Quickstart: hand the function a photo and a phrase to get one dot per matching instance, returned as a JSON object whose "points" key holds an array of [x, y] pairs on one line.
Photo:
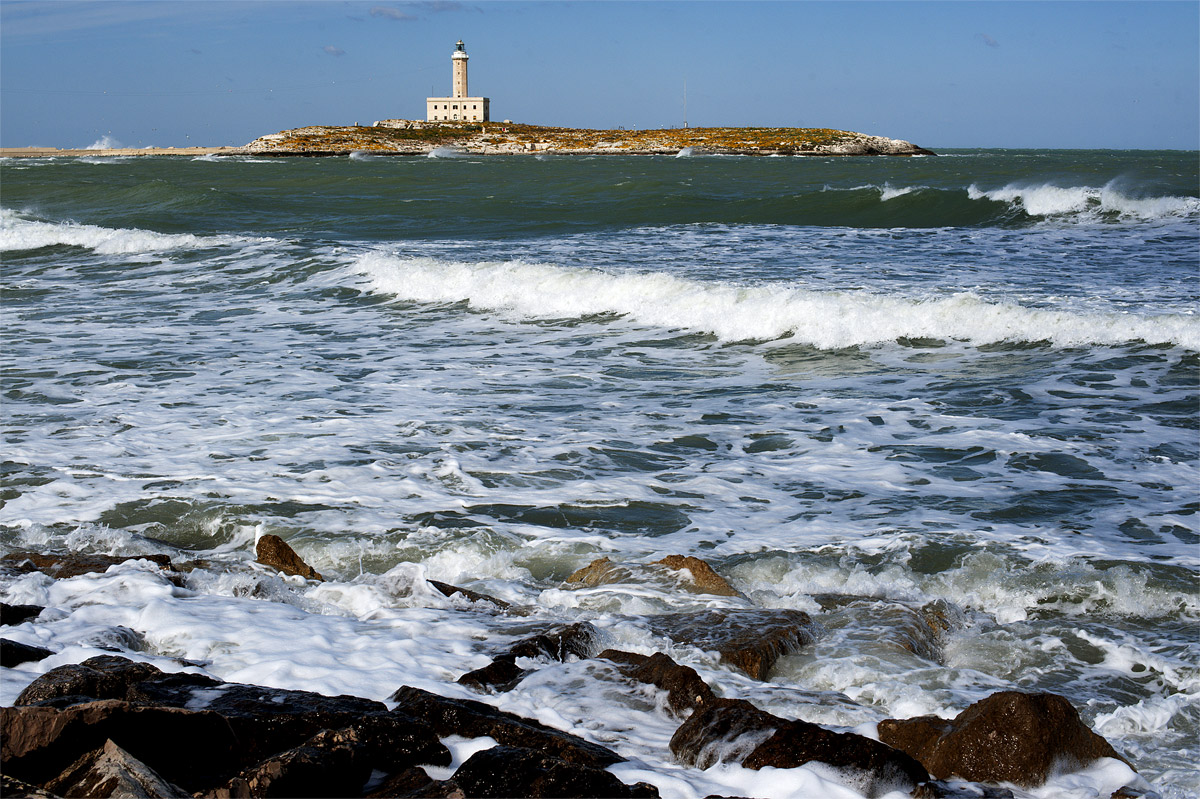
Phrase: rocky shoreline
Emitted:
{"points": [[399, 137], [111, 726]]}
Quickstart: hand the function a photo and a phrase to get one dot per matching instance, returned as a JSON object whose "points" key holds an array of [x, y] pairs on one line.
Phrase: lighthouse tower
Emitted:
{"points": [[458, 107], [459, 59]]}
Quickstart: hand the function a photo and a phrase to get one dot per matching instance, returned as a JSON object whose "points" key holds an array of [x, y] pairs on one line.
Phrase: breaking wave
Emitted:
{"points": [[20, 233], [1087, 203], [731, 312]]}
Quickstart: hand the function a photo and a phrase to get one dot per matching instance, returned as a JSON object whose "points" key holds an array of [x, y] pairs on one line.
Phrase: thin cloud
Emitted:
{"points": [[387, 12], [333, 51], [988, 40]]}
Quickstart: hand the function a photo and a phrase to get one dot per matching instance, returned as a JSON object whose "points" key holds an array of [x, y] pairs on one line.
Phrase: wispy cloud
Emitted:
{"points": [[334, 51], [988, 40], [388, 12]]}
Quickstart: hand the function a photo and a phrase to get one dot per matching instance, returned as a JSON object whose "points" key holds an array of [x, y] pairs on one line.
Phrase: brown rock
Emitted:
{"points": [[74, 564], [273, 551], [1008, 737], [685, 690], [601, 571], [111, 771], [748, 640], [471, 596], [504, 771], [703, 577]]}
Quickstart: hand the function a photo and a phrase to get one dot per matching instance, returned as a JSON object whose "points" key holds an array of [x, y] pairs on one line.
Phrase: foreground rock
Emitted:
{"points": [[14, 653], [109, 726], [735, 731], [1008, 737], [18, 614], [111, 771]]}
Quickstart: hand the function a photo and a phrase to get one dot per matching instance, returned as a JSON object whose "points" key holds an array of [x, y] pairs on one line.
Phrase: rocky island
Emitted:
{"points": [[411, 137]]}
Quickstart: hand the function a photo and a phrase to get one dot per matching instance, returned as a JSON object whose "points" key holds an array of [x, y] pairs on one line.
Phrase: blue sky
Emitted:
{"points": [[940, 74]]}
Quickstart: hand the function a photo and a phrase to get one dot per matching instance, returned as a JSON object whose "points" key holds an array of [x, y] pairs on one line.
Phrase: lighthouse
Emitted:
{"points": [[459, 106]]}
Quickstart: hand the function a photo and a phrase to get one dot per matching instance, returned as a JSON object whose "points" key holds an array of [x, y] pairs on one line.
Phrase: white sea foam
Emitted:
{"points": [[740, 313], [1087, 202], [104, 143], [18, 232]]}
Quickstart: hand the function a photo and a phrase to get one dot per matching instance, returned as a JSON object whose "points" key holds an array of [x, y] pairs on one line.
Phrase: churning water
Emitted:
{"points": [[971, 378]]}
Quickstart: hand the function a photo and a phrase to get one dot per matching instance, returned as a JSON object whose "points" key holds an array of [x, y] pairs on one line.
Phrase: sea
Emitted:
{"points": [[853, 386]]}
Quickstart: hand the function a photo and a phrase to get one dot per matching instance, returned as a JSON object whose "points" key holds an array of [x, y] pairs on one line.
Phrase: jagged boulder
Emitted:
{"points": [[1009, 737], [111, 771], [39, 743], [273, 551]]}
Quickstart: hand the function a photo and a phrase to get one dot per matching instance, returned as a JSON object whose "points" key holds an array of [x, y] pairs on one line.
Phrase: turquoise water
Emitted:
{"points": [[970, 378]]}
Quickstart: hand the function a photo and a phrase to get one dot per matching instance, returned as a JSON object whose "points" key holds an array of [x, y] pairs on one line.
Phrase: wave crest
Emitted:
{"points": [[1087, 202], [730, 312], [19, 233]]}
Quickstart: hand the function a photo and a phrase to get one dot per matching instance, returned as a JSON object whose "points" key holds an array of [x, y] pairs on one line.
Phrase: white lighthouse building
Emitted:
{"points": [[458, 107]]}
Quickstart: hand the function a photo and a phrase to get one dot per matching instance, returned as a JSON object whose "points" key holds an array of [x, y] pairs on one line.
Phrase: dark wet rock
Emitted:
{"points": [[735, 731], [265, 721], [329, 764], [1009, 737], [875, 767], [748, 640], [471, 596], [505, 771], [502, 674], [40, 743], [111, 771], [74, 564], [704, 579], [273, 551], [473, 719], [685, 690], [17, 614], [600, 571], [14, 788], [722, 731], [14, 653], [414, 783], [102, 677]]}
